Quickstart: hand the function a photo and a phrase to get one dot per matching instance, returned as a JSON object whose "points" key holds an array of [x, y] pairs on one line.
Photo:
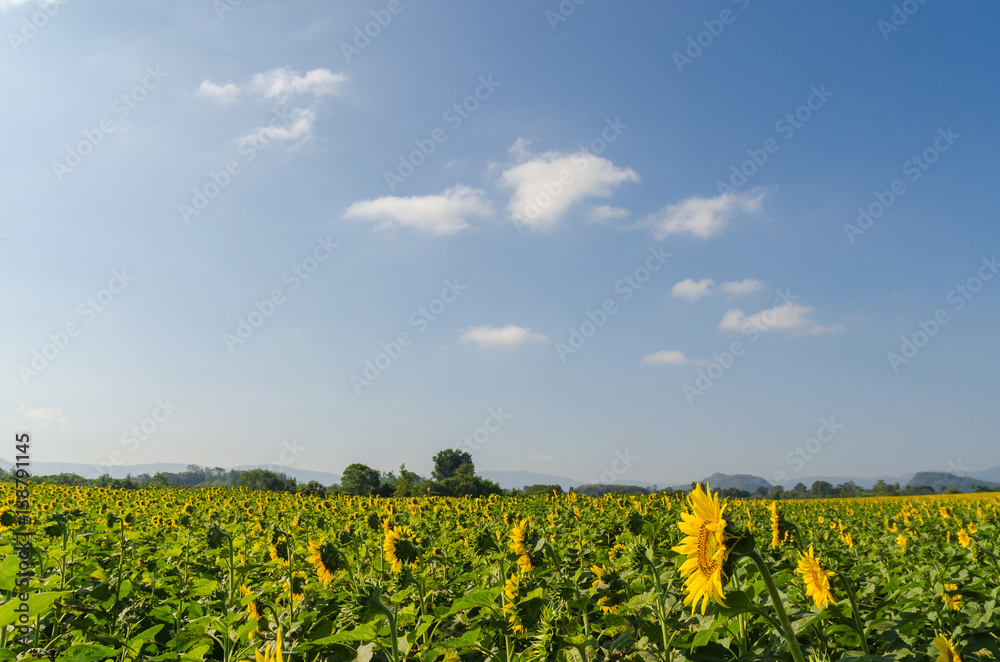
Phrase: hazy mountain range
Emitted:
{"points": [[517, 479]]}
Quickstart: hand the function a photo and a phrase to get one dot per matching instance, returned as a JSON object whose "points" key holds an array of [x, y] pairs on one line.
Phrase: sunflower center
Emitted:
{"points": [[707, 547]]}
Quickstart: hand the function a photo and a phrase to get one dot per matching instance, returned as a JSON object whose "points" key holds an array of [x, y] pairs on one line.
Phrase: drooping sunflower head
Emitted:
{"points": [[816, 578], [775, 525], [400, 547], [610, 588], [707, 547], [523, 607], [946, 649], [327, 559], [278, 552], [297, 586]]}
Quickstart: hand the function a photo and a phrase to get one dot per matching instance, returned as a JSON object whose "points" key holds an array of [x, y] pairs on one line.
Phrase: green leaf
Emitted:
{"points": [[8, 572], [482, 599], [361, 633], [38, 603], [86, 653]]}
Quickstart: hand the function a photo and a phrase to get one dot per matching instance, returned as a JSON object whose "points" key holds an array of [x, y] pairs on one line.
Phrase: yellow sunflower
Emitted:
{"points": [[946, 649], [775, 525], [951, 598], [326, 559], [816, 578], [964, 538], [400, 547], [706, 549], [271, 654]]}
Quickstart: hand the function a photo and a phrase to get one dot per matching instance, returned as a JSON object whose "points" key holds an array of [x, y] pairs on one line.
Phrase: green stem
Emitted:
{"points": [[789, 633], [660, 613], [854, 611]]}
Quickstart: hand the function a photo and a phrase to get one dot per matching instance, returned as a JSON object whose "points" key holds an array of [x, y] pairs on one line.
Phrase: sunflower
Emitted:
{"points": [[400, 547], [326, 558], [951, 598], [297, 586], [706, 547], [775, 525], [816, 578], [946, 649], [964, 538], [520, 534], [271, 654], [610, 587], [510, 591]]}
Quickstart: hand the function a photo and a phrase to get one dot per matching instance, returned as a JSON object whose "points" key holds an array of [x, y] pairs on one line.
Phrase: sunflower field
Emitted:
{"points": [[225, 574]]}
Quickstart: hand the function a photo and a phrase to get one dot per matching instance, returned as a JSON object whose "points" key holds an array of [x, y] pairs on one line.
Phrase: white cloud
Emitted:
{"points": [[10, 4], [740, 287], [789, 317], [538, 458], [44, 416], [298, 130], [279, 84], [693, 290], [443, 214], [702, 217], [547, 185], [283, 83], [604, 213], [224, 93], [670, 357], [488, 336]]}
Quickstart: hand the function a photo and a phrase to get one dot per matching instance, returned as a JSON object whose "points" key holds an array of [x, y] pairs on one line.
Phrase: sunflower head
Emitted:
{"points": [[522, 607], [707, 547], [816, 578], [327, 559], [951, 598], [610, 588], [400, 547], [945, 649]]}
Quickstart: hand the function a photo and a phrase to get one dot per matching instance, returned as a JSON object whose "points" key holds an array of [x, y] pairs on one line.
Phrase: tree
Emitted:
{"points": [[265, 481], [821, 488], [312, 488], [360, 480], [776, 492], [448, 462]]}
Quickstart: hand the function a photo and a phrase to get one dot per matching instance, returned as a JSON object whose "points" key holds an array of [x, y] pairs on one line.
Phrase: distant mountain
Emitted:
{"points": [[940, 480], [740, 481], [989, 474]]}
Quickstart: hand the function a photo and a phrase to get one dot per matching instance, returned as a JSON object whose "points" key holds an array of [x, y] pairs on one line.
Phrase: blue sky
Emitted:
{"points": [[218, 216]]}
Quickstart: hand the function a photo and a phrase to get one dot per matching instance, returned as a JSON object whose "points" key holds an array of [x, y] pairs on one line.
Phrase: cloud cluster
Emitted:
{"points": [[693, 290], [545, 186], [44, 416], [444, 214], [702, 217], [281, 86], [788, 316], [488, 336], [670, 357]]}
